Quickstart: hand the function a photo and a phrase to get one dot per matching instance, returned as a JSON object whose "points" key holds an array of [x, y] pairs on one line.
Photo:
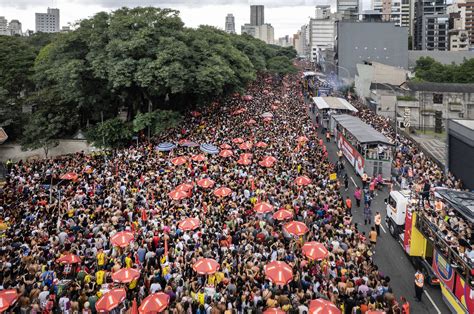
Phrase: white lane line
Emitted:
{"points": [[382, 228], [432, 302], [353, 181]]}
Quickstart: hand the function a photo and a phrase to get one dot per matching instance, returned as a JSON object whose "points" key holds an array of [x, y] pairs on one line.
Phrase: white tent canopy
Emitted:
{"points": [[333, 103]]}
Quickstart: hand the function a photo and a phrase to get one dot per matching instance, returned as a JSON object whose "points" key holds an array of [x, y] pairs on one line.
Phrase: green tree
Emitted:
{"points": [[281, 65], [158, 121], [111, 133]]}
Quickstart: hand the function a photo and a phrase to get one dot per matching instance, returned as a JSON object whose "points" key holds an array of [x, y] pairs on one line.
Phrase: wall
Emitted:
{"points": [[444, 57], [13, 151], [371, 41]]}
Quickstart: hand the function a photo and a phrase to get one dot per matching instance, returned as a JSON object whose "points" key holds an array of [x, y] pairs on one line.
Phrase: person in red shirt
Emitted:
{"points": [[349, 205]]}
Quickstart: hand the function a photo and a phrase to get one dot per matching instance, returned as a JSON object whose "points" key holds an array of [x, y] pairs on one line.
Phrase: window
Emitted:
{"points": [[437, 98]]}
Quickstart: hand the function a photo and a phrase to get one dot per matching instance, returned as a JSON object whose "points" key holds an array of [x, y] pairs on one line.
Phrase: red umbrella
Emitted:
{"points": [[222, 191], [244, 162], [199, 157], [72, 176], [321, 306], [279, 273], [267, 119], [246, 145], [302, 139], [226, 153], [283, 214], [126, 275], [206, 183], [296, 228], [265, 163], [69, 259], [179, 160], [206, 266], [263, 208], [246, 156], [8, 298], [226, 146], [178, 195], [195, 114], [122, 239], [189, 224], [315, 251], [184, 187], [238, 140], [251, 121], [302, 180], [261, 144], [270, 158], [154, 303], [110, 300], [273, 310]]}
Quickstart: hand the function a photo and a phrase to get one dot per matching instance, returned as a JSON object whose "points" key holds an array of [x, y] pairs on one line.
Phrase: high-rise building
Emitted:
{"points": [[257, 15], [14, 28], [48, 22], [3, 26], [467, 11], [322, 31], [431, 25], [458, 34], [230, 24], [349, 9]]}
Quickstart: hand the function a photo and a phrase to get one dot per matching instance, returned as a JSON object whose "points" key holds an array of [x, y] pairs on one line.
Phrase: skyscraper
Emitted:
{"points": [[230, 24], [348, 9], [431, 25], [48, 22], [257, 16], [3, 26]]}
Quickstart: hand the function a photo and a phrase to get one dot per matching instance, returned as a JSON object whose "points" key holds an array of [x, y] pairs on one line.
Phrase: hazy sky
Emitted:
{"points": [[286, 16]]}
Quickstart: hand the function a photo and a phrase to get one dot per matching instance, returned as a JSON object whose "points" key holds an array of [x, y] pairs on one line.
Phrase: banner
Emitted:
{"points": [[443, 270], [408, 227], [352, 155]]}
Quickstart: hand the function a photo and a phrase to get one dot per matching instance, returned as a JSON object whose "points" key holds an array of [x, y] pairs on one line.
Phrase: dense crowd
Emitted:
{"points": [[128, 190]]}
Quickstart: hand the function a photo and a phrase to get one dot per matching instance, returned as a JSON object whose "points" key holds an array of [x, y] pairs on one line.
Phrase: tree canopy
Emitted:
{"points": [[138, 60], [430, 70]]}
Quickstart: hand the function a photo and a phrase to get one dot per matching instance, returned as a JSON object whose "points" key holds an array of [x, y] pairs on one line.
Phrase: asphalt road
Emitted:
{"points": [[389, 255]]}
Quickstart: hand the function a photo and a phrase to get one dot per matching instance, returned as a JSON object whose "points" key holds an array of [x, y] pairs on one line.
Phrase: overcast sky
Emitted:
{"points": [[286, 16]]}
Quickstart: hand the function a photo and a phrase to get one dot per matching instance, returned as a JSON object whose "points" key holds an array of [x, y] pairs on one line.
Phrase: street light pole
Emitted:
{"points": [[396, 108]]}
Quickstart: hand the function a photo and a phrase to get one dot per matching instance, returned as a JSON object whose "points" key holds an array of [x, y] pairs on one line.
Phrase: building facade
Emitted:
{"points": [[263, 32], [467, 14], [47, 22], [257, 15], [230, 24], [461, 150], [322, 32], [3, 26], [360, 42], [14, 28], [431, 25], [348, 9]]}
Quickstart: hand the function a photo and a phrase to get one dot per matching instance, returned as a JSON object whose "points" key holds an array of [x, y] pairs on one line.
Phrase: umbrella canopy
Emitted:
{"points": [[283, 214], [226, 153], [315, 251], [263, 208], [165, 147], [246, 156], [251, 121], [206, 266], [188, 143], [195, 114], [178, 195], [246, 145], [154, 303], [199, 157], [261, 144], [270, 158], [321, 306], [110, 300], [226, 146], [122, 238], [273, 310], [238, 140], [302, 180], [267, 115], [222, 191], [184, 187], [302, 139], [267, 161], [244, 162], [69, 259], [72, 176], [189, 224], [206, 183], [209, 149], [279, 273], [7, 298], [179, 160], [296, 228], [126, 275], [248, 97], [375, 312]]}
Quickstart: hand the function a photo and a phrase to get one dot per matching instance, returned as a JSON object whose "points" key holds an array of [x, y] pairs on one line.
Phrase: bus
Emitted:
{"points": [[366, 149]]}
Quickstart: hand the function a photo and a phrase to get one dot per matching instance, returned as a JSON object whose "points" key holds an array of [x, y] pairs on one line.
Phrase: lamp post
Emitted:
{"points": [[396, 107]]}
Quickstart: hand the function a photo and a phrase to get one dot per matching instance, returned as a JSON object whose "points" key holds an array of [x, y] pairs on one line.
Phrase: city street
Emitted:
{"points": [[389, 255]]}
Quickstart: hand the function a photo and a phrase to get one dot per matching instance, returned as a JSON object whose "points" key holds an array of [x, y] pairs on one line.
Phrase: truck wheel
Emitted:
{"points": [[391, 228]]}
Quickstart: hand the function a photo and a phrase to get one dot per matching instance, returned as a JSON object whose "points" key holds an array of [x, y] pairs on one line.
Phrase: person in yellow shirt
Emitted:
{"points": [[101, 257], [201, 296], [133, 284], [211, 279], [100, 277], [128, 261]]}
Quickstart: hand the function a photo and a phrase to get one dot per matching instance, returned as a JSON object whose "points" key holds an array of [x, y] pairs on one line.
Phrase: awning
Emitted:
{"points": [[333, 103]]}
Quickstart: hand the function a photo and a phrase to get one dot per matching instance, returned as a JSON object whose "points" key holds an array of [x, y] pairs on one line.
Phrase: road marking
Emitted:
{"points": [[432, 302], [382, 228], [353, 181]]}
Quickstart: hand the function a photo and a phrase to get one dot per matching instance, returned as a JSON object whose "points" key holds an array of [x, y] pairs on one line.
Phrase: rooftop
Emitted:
{"points": [[363, 132], [467, 123], [440, 87]]}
